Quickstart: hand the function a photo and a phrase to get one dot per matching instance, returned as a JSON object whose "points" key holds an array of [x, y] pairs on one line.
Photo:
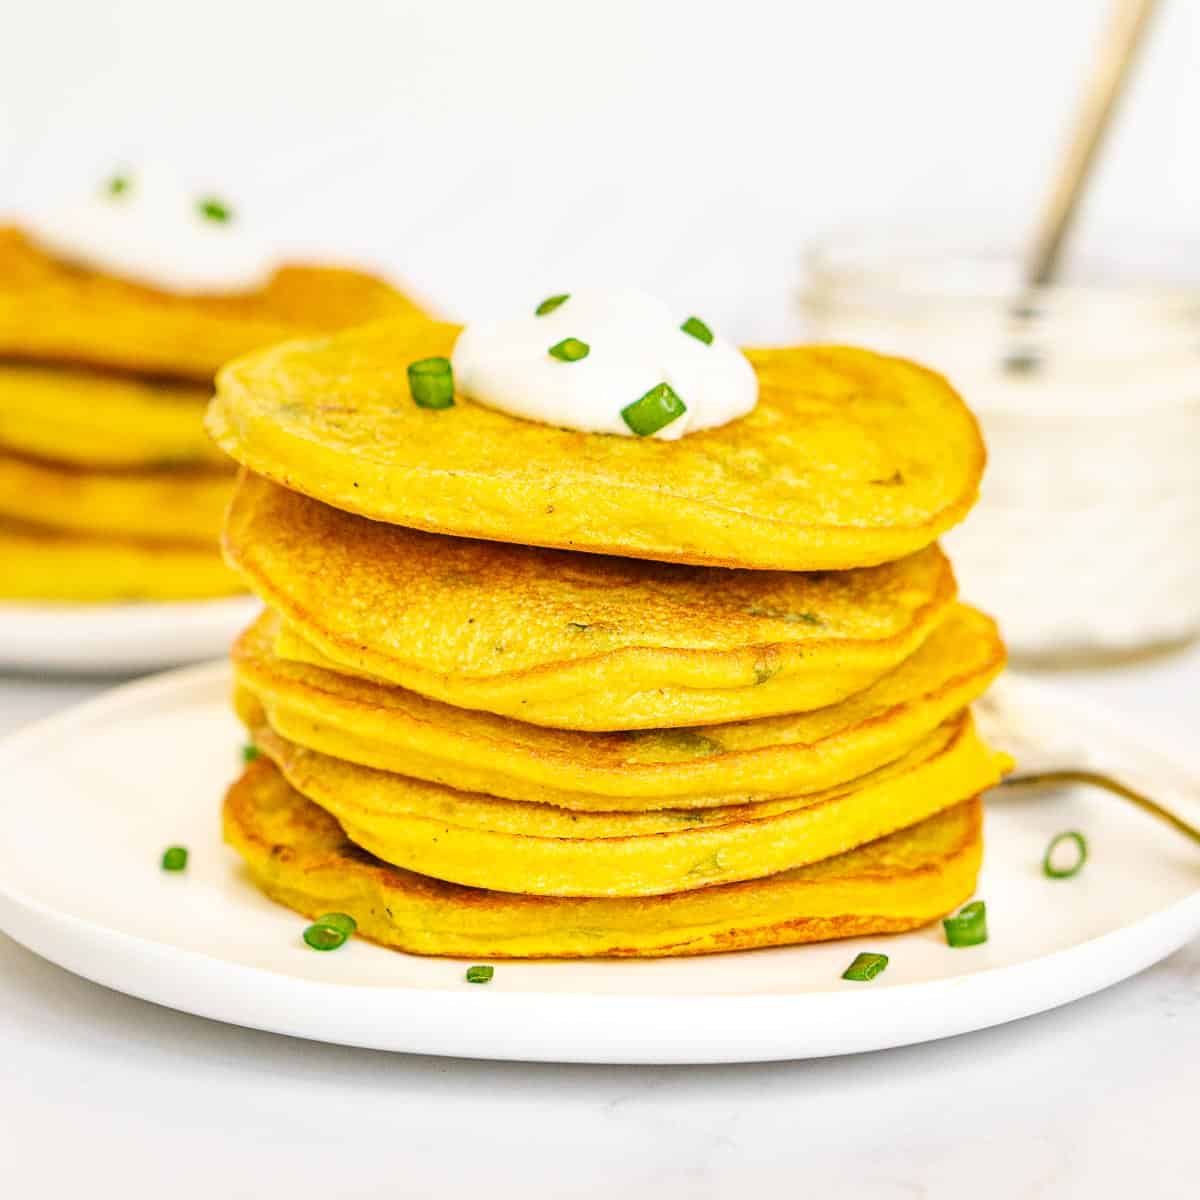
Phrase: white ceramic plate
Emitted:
{"points": [[92, 796], [94, 639]]}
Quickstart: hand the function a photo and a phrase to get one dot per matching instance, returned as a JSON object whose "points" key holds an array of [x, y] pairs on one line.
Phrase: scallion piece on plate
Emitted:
{"points": [[480, 974], [654, 411], [118, 185], [551, 303], [212, 209], [1052, 865], [968, 926], [431, 382], [697, 329], [174, 858], [319, 936], [865, 967], [570, 350], [342, 922], [249, 752]]}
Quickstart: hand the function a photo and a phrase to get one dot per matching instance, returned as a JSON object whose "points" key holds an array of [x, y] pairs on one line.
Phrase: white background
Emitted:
{"points": [[509, 148], [494, 150]]}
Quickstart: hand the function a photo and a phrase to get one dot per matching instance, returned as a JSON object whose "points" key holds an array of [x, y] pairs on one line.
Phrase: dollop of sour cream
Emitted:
{"points": [[634, 343], [148, 227]]}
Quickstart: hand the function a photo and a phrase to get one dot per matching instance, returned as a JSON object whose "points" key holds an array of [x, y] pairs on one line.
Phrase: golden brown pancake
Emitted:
{"points": [[389, 728], [298, 855], [534, 849], [170, 503], [103, 420], [850, 459], [573, 641], [52, 311], [51, 565]]}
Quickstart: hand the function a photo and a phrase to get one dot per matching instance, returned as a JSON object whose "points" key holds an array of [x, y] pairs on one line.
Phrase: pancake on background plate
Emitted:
{"points": [[849, 459], [298, 854], [109, 487]]}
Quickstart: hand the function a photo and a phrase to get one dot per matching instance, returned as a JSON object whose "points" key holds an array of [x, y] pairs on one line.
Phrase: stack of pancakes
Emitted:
{"points": [[109, 487], [526, 692]]}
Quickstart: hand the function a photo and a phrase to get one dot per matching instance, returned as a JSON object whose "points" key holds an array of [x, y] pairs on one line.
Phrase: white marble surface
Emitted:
{"points": [[115, 1096]]}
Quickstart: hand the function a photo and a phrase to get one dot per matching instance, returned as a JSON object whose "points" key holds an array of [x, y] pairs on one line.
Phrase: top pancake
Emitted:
{"points": [[52, 311], [850, 458]]}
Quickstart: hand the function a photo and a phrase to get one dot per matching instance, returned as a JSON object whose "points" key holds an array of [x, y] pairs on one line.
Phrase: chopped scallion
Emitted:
{"points": [[653, 411], [968, 926], [480, 974], [431, 382], [570, 350], [342, 922], [1078, 858], [213, 209], [551, 303], [174, 858], [865, 967], [249, 752], [698, 330], [118, 185]]}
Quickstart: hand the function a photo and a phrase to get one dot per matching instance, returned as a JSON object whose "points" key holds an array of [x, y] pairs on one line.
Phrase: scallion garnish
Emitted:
{"points": [[570, 350], [118, 185], [1077, 859], [653, 411], [213, 209], [431, 382], [865, 967], [968, 926], [481, 974], [551, 303], [249, 752], [330, 931], [174, 858], [698, 330]]}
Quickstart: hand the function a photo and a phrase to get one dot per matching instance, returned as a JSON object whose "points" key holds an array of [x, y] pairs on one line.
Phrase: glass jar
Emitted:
{"points": [[1086, 540]]}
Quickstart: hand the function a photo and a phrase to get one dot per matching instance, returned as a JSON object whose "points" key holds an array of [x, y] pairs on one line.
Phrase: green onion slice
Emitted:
{"points": [[118, 185], [1078, 859], [654, 411], [551, 303], [431, 382], [570, 350], [698, 330], [865, 967], [213, 209], [481, 974], [174, 858], [249, 752], [324, 937], [968, 926]]}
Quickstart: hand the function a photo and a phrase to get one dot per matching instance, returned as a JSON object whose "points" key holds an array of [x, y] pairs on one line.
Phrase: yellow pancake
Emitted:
{"points": [[298, 855], [179, 503], [51, 311], [508, 846], [103, 420], [49, 565], [573, 641], [850, 459], [396, 730]]}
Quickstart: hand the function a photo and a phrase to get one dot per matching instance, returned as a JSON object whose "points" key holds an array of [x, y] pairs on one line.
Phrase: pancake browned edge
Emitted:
{"points": [[298, 855]]}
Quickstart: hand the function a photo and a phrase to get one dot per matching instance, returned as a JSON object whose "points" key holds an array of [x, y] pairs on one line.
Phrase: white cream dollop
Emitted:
{"points": [[154, 232], [635, 343]]}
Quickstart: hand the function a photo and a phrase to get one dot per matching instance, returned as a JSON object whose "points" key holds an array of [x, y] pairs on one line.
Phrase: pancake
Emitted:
{"points": [[850, 459], [508, 846], [568, 640], [52, 311], [176, 504], [103, 420], [298, 855], [392, 729], [49, 565]]}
